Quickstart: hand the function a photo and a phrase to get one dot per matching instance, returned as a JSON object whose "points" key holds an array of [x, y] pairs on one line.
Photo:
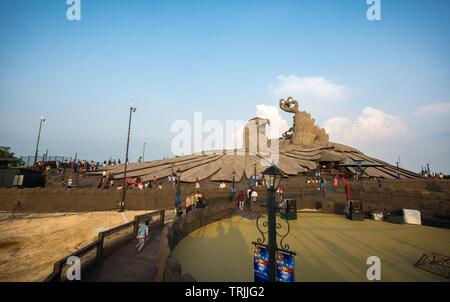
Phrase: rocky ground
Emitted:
{"points": [[31, 243]]}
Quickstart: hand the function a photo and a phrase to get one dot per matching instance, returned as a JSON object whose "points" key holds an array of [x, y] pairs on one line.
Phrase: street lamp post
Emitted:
{"points": [[64, 171], [270, 227], [272, 177], [233, 187], [124, 187], [178, 194], [39, 137], [143, 153], [254, 175]]}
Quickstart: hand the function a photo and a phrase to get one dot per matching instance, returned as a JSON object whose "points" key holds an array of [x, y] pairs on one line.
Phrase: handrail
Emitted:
{"points": [[117, 228], [99, 244]]}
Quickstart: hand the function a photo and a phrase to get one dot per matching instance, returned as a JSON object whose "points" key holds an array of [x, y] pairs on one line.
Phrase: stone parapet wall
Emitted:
{"points": [[170, 270], [431, 197], [50, 200]]}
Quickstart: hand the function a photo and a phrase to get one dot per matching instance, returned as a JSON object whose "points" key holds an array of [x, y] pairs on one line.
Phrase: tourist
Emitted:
{"points": [[188, 204], [193, 201], [256, 180], [233, 191], [141, 236], [202, 200], [254, 197], [197, 183], [197, 199], [174, 180], [241, 200], [249, 194], [280, 192]]}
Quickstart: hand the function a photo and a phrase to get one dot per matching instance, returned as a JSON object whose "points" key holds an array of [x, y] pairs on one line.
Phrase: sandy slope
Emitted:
{"points": [[29, 245]]}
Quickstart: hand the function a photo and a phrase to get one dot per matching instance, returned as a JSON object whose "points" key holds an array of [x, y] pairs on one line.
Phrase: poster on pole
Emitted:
{"points": [[260, 263], [285, 267]]}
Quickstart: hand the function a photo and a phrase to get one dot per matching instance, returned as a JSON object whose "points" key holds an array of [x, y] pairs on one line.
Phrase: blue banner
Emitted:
{"points": [[261, 263], [285, 267]]}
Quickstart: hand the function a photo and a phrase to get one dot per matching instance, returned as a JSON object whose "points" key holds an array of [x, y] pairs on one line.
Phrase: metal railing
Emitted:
{"points": [[29, 160], [106, 243]]}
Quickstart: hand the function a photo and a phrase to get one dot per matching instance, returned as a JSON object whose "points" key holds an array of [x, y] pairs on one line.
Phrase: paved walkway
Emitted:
{"points": [[126, 265]]}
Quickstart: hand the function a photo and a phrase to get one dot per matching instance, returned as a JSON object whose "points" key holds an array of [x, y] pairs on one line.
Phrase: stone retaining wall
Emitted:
{"points": [[50, 200], [431, 204], [431, 197], [169, 269]]}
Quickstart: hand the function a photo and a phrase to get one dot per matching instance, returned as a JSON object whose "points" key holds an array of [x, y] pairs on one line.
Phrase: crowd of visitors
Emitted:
{"points": [[247, 199], [195, 201], [436, 175], [80, 166]]}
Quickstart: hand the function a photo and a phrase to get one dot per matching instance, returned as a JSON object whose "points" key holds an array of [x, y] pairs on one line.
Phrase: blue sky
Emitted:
{"points": [[223, 58]]}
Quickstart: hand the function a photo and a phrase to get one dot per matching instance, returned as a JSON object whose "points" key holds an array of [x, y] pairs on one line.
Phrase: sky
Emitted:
{"points": [[380, 86]]}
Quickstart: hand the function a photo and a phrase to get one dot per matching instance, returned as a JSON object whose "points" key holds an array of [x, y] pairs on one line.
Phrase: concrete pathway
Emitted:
{"points": [[126, 265]]}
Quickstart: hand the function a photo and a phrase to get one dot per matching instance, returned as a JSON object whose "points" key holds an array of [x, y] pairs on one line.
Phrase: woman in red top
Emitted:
{"points": [[241, 200]]}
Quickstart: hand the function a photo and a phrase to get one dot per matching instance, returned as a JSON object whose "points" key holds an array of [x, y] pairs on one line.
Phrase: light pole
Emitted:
{"points": [[124, 187], [254, 175], [178, 194], [143, 153], [233, 187], [39, 137], [272, 177]]}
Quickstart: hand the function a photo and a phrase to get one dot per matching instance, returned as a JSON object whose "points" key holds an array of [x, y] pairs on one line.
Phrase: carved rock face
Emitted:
{"points": [[305, 131], [289, 105]]}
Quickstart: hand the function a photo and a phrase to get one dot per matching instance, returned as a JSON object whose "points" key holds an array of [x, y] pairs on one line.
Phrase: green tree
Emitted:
{"points": [[6, 153]]}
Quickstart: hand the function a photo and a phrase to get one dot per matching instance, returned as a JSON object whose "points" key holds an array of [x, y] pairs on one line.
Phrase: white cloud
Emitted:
{"points": [[278, 125], [371, 126], [308, 88], [431, 109]]}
